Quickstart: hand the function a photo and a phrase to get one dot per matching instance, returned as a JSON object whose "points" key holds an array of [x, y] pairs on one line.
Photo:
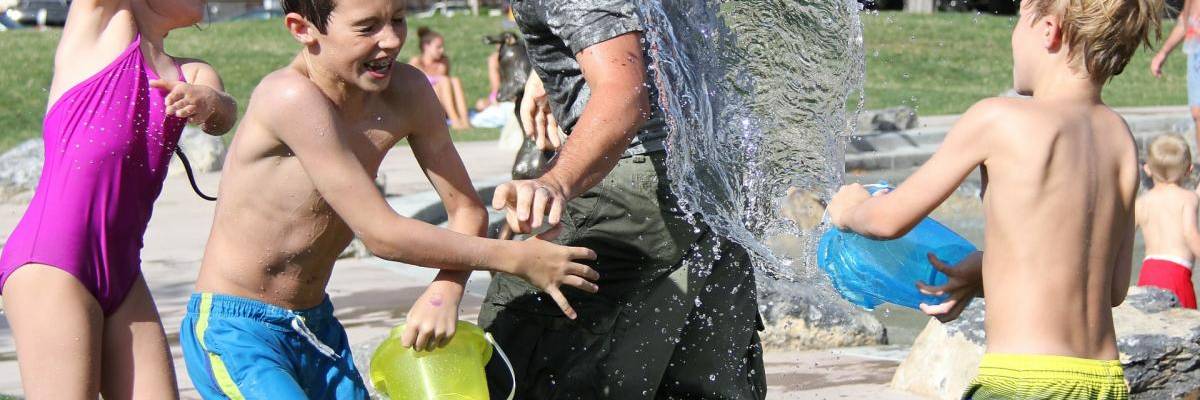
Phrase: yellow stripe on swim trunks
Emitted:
{"points": [[220, 372], [1048, 377]]}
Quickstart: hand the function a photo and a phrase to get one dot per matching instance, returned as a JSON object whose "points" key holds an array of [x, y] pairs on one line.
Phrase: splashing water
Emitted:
{"points": [[755, 96]]}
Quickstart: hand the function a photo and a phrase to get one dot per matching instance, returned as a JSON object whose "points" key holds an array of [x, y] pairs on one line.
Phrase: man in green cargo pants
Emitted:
{"points": [[675, 315]]}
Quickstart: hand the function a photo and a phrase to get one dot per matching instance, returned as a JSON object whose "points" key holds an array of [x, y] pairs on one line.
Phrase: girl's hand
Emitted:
{"points": [[433, 318], [1157, 63], [196, 103]]}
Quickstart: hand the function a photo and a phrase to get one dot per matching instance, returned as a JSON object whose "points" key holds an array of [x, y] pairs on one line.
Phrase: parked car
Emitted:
{"points": [[40, 12], [255, 15], [8, 24], [447, 9]]}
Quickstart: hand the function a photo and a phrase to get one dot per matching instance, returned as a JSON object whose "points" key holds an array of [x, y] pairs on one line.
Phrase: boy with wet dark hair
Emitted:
{"points": [[314, 11]]}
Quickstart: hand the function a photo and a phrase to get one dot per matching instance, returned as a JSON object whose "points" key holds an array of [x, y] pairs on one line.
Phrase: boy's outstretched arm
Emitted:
{"points": [[894, 214], [433, 318], [324, 149]]}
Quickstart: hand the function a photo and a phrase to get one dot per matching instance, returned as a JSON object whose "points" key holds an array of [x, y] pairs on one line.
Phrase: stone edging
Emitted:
{"points": [[911, 148]]}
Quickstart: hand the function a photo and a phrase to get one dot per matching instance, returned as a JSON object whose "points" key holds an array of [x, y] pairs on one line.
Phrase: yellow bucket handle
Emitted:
{"points": [[511, 373]]}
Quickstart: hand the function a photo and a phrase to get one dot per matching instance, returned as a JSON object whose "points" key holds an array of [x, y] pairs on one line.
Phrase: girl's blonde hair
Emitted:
{"points": [[1104, 34]]}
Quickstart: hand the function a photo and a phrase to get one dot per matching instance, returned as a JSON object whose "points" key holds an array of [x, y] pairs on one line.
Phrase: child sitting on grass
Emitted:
{"points": [[1060, 175], [1167, 215]]}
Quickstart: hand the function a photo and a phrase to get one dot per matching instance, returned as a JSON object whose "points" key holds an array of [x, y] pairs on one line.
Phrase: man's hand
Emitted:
{"points": [[433, 318], [536, 116], [196, 103], [530, 203], [1157, 63], [966, 283], [844, 202]]}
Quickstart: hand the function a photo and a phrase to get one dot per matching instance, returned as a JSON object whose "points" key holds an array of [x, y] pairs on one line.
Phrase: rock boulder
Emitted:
{"points": [[1159, 345], [20, 169], [887, 120], [813, 317], [205, 152]]}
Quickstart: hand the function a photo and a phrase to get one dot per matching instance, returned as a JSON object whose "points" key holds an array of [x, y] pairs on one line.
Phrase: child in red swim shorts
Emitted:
{"points": [[1167, 215]]}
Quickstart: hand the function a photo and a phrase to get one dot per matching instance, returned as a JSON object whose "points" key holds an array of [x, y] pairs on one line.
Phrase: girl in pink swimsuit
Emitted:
{"points": [[82, 318]]}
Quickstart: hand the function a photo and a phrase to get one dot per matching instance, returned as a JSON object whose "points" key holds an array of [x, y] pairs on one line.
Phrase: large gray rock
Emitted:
{"points": [[887, 120], [20, 169], [944, 357], [205, 152], [1159, 345], [806, 317]]}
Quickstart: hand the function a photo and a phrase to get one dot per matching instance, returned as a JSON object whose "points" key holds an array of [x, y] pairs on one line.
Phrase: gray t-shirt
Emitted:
{"points": [[555, 31]]}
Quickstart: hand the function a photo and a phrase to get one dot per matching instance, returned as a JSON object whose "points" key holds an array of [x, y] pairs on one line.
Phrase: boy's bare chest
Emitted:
{"points": [[371, 141]]}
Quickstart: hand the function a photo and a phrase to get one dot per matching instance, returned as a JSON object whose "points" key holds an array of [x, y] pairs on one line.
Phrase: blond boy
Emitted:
{"points": [[1060, 177], [1167, 215]]}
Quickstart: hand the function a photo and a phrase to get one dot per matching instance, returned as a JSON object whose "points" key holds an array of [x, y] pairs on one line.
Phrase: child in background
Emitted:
{"points": [[1186, 31], [1167, 215], [434, 62], [1060, 179], [83, 319]]}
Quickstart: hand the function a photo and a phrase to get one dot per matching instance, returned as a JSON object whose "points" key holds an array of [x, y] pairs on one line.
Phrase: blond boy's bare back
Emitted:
{"points": [[1060, 178], [1067, 177], [1060, 181], [1160, 214]]}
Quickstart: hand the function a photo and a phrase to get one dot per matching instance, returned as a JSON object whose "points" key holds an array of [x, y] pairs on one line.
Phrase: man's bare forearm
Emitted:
{"points": [[603, 132]]}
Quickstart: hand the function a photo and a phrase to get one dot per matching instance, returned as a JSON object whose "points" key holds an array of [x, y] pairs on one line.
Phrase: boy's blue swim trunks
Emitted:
{"points": [[238, 348]]}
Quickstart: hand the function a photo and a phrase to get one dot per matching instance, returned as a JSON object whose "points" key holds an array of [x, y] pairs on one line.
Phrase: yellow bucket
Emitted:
{"points": [[451, 372]]}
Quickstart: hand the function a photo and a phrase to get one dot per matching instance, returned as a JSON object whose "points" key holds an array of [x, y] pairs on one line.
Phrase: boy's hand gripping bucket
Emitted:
{"points": [[868, 272], [451, 372]]}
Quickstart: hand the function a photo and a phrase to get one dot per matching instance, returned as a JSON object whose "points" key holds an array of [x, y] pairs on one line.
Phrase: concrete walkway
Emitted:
{"points": [[372, 295]]}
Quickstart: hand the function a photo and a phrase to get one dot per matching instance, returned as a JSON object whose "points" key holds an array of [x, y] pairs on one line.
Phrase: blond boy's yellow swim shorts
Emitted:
{"points": [[1024, 376]]}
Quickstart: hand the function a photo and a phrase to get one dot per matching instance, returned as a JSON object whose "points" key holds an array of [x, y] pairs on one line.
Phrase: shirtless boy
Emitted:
{"points": [[1167, 215], [1060, 173], [298, 187]]}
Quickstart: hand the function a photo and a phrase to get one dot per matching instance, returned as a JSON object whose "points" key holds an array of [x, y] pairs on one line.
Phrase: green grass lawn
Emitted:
{"points": [[242, 52], [943, 63], [939, 63]]}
